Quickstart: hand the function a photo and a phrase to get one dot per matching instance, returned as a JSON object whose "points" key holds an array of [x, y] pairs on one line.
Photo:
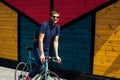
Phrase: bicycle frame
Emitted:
{"points": [[30, 58], [27, 66], [46, 69]]}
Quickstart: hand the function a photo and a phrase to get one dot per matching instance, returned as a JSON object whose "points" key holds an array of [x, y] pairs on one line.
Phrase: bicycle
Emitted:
{"points": [[47, 74], [23, 68]]}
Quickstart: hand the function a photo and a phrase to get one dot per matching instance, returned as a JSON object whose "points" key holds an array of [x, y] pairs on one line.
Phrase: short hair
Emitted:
{"points": [[54, 12]]}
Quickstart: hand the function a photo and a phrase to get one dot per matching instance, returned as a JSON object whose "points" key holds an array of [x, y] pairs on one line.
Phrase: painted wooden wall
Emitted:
{"points": [[75, 40], [8, 33], [107, 42]]}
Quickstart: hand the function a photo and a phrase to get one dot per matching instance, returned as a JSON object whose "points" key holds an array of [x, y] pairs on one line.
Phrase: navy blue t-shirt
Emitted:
{"points": [[50, 32]]}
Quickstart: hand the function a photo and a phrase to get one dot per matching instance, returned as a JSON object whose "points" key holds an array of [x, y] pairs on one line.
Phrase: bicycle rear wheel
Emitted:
{"points": [[50, 75], [21, 71]]}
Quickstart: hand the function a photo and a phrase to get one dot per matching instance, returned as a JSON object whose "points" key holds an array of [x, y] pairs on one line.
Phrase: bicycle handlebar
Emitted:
{"points": [[50, 58]]}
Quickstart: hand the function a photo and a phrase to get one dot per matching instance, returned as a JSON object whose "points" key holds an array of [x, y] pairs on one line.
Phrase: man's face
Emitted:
{"points": [[55, 18]]}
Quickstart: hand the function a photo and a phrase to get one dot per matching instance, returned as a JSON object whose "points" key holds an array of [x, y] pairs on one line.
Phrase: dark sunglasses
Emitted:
{"points": [[55, 17]]}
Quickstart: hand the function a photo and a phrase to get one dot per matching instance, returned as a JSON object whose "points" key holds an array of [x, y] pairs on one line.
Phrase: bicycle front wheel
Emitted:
{"points": [[21, 71], [50, 75]]}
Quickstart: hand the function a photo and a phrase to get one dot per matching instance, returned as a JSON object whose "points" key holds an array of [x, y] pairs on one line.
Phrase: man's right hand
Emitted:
{"points": [[42, 58]]}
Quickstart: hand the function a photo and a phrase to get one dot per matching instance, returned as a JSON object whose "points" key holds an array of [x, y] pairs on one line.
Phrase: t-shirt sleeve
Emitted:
{"points": [[43, 28], [58, 31]]}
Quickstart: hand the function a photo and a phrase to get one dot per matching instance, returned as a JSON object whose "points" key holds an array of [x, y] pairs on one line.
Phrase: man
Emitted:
{"points": [[49, 33]]}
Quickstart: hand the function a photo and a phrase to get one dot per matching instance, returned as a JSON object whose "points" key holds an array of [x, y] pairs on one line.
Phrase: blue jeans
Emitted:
{"points": [[37, 69]]}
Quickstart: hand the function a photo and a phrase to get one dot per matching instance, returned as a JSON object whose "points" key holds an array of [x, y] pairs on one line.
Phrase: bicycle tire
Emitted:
{"points": [[21, 71], [52, 76]]}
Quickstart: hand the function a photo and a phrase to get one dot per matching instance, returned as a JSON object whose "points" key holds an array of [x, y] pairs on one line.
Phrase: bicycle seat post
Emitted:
{"points": [[29, 49], [30, 60]]}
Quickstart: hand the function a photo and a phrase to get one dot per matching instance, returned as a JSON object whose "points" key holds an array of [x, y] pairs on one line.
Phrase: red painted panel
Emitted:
{"points": [[38, 10], [71, 9]]}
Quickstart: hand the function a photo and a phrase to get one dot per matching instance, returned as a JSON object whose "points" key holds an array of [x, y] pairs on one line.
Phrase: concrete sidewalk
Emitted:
{"points": [[8, 73]]}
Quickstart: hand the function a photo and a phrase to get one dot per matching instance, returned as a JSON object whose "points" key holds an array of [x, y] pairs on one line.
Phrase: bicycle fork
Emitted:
{"points": [[46, 70]]}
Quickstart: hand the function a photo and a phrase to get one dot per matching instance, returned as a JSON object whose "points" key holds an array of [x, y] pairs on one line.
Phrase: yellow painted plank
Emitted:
{"points": [[108, 21], [8, 19], [107, 53], [99, 73], [12, 31], [100, 68], [9, 35], [6, 11], [8, 27], [8, 47], [105, 32], [11, 57], [108, 29], [108, 42], [106, 71], [101, 16], [106, 26], [103, 37], [9, 51], [106, 60], [7, 39], [107, 63], [108, 48], [8, 23], [11, 43], [7, 15]]}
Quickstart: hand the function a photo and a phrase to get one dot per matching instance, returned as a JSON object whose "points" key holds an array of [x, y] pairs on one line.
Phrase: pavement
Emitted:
{"points": [[8, 73]]}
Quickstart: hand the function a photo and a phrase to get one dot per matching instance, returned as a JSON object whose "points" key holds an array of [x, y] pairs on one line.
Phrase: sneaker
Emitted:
{"points": [[28, 78]]}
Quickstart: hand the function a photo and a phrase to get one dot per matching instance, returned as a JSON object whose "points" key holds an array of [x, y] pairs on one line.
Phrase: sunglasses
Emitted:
{"points": [[55, 17]]}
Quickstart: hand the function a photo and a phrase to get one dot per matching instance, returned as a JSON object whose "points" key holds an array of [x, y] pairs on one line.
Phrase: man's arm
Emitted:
{"points": [[42, 57], [56, 45], [56, 48]]}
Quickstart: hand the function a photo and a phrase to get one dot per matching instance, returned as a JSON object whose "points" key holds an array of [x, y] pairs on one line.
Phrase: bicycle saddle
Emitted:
{"points": [[28, 48]]}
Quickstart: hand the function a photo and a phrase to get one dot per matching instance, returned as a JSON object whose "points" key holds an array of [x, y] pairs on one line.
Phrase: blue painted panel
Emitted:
{"points": [[75, 46], [27, 32]]}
